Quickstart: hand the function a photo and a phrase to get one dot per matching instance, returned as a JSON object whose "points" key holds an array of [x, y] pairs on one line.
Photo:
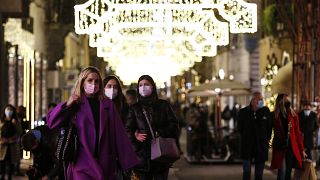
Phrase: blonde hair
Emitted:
{"points": [[280, 108], [78, 87]]}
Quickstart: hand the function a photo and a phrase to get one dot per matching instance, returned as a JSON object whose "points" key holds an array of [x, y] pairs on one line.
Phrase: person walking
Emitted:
{"points": [[287, 145], [41, 142], [163, 122], [255, 127], [102, 137], [10, 131], [308, 127], [113, 91]]}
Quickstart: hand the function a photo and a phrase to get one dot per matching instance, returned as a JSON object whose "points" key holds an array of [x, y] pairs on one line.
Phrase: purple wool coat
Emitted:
{"points": [[86, 166]]}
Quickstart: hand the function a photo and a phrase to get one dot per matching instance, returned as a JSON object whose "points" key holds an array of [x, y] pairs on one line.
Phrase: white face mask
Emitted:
{"points": [[8, 113], [89, 88], [111, 93], [307, 112], [145, 91]]}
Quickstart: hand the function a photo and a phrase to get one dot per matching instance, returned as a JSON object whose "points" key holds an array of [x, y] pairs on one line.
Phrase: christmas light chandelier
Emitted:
{"points": [[190, 22], [176, 33]]}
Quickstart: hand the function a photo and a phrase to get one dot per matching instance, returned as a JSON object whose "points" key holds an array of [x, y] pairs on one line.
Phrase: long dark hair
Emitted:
{"points": [[154, 94], [14, 114], [119, 100], [280, 109]]}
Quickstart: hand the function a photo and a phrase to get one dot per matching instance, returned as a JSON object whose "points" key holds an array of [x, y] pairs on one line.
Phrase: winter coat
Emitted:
{"points": [[44, 160], [295, 140], [13, 146], [255, 132], [308, 125], [163, 122], [87, 166]]}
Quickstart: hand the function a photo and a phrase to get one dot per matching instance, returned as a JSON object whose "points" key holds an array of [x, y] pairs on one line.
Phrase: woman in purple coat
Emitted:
{"points": [[100, 145]]}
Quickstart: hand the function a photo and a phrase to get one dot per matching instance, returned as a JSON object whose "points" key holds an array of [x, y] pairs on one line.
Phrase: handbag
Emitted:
{"points": [[67, 143], [307, 173], [162, 149]]}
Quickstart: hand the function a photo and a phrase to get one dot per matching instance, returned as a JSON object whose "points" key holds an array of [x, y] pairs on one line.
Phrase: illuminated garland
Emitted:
{"points": [[190, 22], [266, 81]]}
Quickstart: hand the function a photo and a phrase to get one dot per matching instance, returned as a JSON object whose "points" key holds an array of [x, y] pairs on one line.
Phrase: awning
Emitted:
{"points": [[282, 82], [226, 87]]}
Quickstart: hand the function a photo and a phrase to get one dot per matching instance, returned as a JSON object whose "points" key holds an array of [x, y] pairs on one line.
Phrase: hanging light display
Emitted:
{"points": [[116, 27]]}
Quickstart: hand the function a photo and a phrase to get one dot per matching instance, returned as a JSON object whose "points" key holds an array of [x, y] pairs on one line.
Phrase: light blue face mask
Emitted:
{"points": [[307, 112], [260, 104]]}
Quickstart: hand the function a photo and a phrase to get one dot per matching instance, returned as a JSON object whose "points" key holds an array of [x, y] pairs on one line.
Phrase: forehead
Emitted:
{"points": [[258, 96], [93, 75], [112, 81], [144, 81], [8, 107]]}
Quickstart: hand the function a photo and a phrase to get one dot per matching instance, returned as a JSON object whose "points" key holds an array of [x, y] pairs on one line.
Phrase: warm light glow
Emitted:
{"points": [[179, 31], [221, 73], [191, 22]]}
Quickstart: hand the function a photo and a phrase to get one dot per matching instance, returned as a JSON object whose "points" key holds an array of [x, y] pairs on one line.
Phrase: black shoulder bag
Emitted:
{"points": [[67, 143]]}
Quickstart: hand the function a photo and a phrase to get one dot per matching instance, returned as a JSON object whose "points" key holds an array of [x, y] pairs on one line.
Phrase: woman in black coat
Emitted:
{"points": [[163, 122]]}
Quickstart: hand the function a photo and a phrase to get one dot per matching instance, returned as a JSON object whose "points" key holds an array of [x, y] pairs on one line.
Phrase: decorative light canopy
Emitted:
{"points": [[114, 25]]}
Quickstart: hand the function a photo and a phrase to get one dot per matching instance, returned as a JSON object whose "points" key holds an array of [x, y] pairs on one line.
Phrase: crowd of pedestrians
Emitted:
{"points": [[115, 131]]}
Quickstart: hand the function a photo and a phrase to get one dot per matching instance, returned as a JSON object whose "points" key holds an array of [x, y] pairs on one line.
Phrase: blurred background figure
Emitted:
{"points": [[235, 115], [41, 142], [9, 149], [44, 118], [21, 118], [197, 131], [308, 126], [131, 96]]}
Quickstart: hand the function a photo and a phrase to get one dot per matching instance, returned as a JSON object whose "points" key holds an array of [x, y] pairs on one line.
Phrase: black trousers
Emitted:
{"points": [[6, 163]]}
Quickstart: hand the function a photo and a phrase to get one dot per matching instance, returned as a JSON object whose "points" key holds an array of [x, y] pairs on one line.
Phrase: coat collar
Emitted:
{"points": [[105, 105]]}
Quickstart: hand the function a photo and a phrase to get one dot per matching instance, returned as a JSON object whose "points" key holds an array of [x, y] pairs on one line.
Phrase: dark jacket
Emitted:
{"points": [[163, 122], [255, 131], [44, 160], [308, 125]]}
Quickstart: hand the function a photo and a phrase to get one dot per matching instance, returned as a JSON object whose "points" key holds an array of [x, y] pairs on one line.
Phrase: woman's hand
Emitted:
{"points": [[140, 136], [304, 155], [73, 99]]}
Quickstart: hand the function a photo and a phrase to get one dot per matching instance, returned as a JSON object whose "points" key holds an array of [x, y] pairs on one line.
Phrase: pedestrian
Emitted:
{"points": [[308, 127], [113, 90], [10, 131], [163, 122], [287, 145], [41, 142], [131, 96], [99, 145], [255, 127], [21, 115]]}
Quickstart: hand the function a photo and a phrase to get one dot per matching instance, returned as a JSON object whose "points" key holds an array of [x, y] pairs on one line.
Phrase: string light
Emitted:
{"points": [[181, 32]]}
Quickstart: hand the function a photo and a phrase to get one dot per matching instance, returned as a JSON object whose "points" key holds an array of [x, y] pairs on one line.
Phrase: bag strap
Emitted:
{"points": [[148, 122]]}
